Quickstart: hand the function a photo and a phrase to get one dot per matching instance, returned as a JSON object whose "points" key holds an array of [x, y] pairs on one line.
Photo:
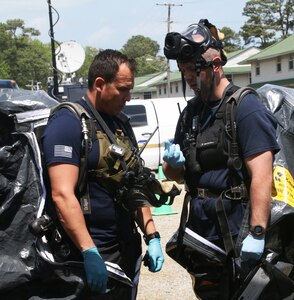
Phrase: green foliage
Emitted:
{"points": [[144, 51], [90, 53], [148, 65], [231, 41], [4, 70], [267, 19], [23, 58], [138, 46]]}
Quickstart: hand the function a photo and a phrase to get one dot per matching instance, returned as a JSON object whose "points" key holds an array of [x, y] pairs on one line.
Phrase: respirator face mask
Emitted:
{"points": [[188, 45], [191, 44]]}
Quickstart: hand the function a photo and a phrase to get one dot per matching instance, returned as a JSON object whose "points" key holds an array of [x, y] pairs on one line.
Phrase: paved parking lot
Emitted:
{"points": [[172, 282]]}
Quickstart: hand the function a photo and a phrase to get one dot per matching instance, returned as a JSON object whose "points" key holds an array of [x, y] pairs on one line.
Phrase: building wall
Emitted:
{"points": [[176, 90], [269, 72], [142, 95], [241, 79]]}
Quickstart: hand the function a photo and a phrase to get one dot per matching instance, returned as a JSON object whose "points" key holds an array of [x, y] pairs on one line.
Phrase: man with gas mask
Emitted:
{"points": [[222, 178]]}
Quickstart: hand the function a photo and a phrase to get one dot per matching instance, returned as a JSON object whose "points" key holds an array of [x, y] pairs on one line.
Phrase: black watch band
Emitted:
{"points": [[257, 230], [147, 238]]}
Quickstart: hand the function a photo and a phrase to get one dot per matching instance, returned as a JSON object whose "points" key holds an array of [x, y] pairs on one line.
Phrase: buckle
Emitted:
{"points": [[236, 193]]}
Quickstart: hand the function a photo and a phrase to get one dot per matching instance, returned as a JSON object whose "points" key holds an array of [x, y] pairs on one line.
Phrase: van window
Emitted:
{"points": [[137, 114]]}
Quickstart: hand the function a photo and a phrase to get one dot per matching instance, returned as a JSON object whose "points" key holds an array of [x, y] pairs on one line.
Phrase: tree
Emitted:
{"points": [[144, 51], [148, 65], [25, 59], [231, 39], [267, 19], [4, 70], [90, 53], [139, 45]]}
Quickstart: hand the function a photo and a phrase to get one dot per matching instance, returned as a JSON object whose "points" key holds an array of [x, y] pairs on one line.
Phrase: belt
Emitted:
{"points": [[206, 193], [233, 193]]}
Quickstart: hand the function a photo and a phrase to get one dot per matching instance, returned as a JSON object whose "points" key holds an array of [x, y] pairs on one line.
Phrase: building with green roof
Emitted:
{"points": [[274, 64], [250, 66]]}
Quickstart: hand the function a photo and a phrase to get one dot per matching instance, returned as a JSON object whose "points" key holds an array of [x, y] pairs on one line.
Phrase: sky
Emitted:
{"points": [[110, 23]]}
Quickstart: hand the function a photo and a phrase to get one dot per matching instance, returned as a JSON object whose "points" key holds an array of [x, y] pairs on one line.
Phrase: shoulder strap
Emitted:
{"points": [[76, 108], [105, 128], [234, 161], [81, 113]]}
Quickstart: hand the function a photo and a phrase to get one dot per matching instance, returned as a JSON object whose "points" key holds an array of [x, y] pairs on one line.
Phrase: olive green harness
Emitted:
{"points": [[120, 169]]}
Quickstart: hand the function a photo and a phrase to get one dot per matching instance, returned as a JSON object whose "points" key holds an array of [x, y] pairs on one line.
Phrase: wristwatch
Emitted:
{"points": [[148, 237], [257, 230]]}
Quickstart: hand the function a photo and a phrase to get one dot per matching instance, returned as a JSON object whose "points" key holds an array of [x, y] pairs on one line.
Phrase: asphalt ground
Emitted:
{"points": [[172, 282]]}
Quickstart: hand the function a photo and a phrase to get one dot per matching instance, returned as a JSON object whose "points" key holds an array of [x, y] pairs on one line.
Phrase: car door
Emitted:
{"points": [[145, 125]]}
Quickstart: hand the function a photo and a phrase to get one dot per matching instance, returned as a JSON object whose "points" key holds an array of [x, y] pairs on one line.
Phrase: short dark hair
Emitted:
{"points": [[106, 64]]}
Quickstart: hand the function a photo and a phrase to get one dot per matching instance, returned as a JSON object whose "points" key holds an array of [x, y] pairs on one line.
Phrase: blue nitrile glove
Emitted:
{"points": [[173, 155], [155, 255], [96, 272], [252, 248]]}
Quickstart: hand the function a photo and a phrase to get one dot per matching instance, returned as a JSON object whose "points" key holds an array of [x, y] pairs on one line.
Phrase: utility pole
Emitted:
{"points": [[55, 75], [168, 30]]}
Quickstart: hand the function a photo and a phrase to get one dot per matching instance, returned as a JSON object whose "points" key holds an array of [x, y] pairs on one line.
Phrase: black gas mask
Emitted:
{"points": [[191, 44]]}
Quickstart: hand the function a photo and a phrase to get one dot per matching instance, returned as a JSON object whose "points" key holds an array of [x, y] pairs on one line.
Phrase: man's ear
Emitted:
{"points": [[217, 67], [99, 84]]}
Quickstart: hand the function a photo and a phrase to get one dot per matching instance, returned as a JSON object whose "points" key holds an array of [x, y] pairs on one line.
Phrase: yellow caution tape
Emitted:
{"points": [[283, 185]]}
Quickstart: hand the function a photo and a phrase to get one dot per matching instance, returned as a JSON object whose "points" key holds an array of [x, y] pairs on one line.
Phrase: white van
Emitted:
{"points": [[154, 116]]}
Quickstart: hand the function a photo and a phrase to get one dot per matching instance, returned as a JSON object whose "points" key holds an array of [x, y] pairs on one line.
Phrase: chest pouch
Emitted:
{"points": [[115, 160], [211, 145]]}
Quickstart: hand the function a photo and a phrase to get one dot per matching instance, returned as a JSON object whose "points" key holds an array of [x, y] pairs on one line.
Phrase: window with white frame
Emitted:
{"points": [[291, 62], [279, 64], [257, 69]]}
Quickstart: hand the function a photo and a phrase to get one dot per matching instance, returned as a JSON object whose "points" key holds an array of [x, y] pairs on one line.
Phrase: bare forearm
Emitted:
{"points": [[176, 174], [260, 171], [260, 197], [144, 220], [72, 220], [63, 179]]}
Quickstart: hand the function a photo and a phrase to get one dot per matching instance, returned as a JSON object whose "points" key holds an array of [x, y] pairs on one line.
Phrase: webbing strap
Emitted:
{"points": [[82, 186], [224, 226], [234, 164], [105, 128], [183, 221]]}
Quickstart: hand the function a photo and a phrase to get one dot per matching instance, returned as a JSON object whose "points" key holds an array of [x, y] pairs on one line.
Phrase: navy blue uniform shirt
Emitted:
{"points": [[107, 223], [256, 131]]}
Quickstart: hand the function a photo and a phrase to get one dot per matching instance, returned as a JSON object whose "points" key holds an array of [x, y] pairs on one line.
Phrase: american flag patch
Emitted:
{"points": [[63, 151]]}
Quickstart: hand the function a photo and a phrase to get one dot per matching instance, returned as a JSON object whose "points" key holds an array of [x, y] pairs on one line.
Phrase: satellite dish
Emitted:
{"points": [[70, 57]]}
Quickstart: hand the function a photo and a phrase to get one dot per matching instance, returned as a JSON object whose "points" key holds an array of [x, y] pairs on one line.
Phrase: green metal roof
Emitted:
{"points": [[174, 76], [283, 47], [237, 69], [142, 79], [141, 89]]}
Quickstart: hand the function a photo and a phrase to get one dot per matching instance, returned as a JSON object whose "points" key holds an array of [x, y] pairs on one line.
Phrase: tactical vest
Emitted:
{"points": [[215, 146], [117, 157], [115, 160]]}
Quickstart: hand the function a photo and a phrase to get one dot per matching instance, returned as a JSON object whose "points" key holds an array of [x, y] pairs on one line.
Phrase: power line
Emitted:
{"points": [[169, 5]]}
